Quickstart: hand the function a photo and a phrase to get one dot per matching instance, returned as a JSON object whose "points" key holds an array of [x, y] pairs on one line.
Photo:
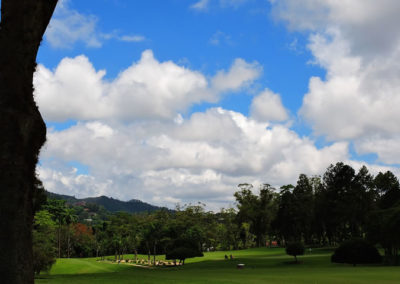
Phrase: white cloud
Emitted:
{"points": [[267, 106], [70, 182], [369, 25], [239, 75], [75, 90], [132, 38], [136, 143], [147, 89], [358, 44], [69, 26], [202, 158], [219, 38], [387, 149], [201, 5]]}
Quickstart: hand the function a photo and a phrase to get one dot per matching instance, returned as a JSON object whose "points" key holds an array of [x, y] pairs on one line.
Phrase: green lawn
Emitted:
{"points": [[261, 266]]}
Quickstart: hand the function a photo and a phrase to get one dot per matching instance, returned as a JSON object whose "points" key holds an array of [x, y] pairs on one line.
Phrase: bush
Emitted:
{"points": [[295, 249], [356, 251], [182, 253]]}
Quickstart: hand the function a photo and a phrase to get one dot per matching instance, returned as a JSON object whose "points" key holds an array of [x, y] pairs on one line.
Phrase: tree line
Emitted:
{"points": [[326, 210]]}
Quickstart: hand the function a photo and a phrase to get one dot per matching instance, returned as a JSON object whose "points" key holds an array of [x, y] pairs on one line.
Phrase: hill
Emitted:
{"points": [[109, 203]]}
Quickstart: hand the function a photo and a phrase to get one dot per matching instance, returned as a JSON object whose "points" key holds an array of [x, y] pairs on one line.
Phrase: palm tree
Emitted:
{"points": [[69, 218]]}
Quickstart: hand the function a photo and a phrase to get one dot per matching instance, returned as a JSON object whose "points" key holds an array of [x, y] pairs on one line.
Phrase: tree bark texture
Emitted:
{"points": [[22, 132]]}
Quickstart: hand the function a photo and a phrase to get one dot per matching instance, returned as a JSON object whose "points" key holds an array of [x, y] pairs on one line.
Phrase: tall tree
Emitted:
{"points": [[258, 211], [388, 188], [69, 217], [303, 207], [338, 184], [22, 129], [285, 223], [44, 251]]}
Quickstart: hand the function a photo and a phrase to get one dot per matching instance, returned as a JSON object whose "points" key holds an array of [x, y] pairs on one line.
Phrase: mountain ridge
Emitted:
{"points": [[109, 203]]}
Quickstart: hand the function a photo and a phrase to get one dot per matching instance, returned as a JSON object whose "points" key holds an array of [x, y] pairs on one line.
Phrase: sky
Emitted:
{"points": [[179, 101]]}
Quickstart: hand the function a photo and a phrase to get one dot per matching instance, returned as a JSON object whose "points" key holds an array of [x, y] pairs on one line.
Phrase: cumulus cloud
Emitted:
{"points": [[267, 106], [387, 149], [370, 26], [240, 74], [358, 44], [69, 26], [147, 89], [202, 158]]}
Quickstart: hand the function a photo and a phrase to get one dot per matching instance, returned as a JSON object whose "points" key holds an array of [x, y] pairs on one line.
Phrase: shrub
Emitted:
{"points": [[295, 249], [182, 253], [357, 251]]}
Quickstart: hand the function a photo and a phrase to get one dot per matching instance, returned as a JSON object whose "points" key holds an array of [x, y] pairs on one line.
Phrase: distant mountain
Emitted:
{"points": [[109, 203]]}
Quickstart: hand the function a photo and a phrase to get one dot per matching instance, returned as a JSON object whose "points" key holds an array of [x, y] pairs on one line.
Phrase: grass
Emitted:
{"points": [[262, 265]]}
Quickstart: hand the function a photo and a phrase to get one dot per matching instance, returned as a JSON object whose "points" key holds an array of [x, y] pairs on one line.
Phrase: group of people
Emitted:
{"points": [[230, 256]]}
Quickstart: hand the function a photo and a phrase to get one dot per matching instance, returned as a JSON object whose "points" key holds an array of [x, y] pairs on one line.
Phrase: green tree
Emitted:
{"points": [[182, 253], [44, 252], [154, 232], [258, 211], [336, 207], [135, 235], [356, 251], [388, 188], [295, 249], [227, 230], [303, 203], [69, 218], [57, 209], [384, 228], [285, 221], [187, 229]]}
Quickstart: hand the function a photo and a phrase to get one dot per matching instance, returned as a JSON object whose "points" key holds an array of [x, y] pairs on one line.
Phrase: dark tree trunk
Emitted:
{"points": [[22, 131]]}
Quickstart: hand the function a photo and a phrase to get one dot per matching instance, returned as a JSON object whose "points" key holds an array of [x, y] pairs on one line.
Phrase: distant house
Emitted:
{"points": [[272, 244], [80, 203]]}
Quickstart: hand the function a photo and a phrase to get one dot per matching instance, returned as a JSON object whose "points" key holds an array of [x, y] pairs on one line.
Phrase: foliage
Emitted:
{"points": [[182, 253], [388, 189], [384, 228], [344, 204], [356, 251], [107, 203], [258, 211], [44, 252], [295, 249]]}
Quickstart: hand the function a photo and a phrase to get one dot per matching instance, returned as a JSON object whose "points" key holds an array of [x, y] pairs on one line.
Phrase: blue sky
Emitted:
{"points": [[179, 101]]}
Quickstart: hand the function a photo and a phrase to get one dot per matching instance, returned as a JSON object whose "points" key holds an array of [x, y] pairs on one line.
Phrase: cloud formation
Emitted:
{"points": [[203, 5], [267, 106], [148, 89], [68, 27], [164, 162], [358, 44]]}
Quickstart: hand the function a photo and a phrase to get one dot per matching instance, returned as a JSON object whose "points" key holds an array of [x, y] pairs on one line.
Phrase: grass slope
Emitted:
{"points": [[261, 266]]}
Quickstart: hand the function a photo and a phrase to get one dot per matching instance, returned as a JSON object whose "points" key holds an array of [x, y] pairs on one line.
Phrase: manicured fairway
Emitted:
{"points": [[261, 266]]}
